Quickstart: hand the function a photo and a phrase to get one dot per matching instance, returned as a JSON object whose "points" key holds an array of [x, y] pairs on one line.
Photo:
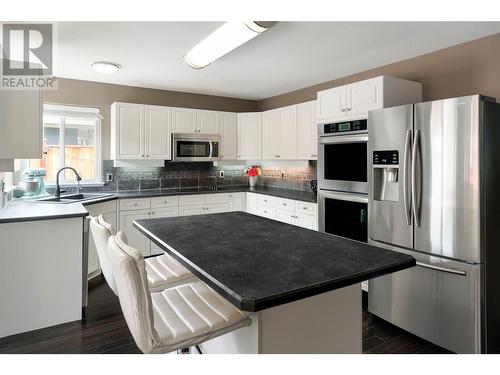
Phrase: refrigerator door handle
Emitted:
{"points": [[416, 207], [443, 269], [406, 198]]}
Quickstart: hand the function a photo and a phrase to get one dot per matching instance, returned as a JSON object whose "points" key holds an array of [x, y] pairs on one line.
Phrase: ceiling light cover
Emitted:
{"points": [[223, 40], [104, 67]]}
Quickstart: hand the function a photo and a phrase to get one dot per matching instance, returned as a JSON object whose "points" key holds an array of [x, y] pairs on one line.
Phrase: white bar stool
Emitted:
{"points": [[176, 318], [162, 271]]}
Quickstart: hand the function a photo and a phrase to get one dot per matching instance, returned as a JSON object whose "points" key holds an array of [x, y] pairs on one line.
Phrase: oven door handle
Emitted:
{"points": [[343, 139], [343, 196]]}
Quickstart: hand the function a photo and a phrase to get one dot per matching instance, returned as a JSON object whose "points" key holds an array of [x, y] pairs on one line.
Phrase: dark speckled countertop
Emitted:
{"points": [[25, 210], [257, 263], [19, 210]]}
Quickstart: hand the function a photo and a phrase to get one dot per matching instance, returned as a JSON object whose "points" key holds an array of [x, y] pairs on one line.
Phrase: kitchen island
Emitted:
{"points": [[301, 287], [42, 255]]}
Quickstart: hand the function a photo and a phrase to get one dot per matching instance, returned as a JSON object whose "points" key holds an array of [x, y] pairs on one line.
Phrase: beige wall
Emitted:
{"points": [[468, 68], [102, 95]]}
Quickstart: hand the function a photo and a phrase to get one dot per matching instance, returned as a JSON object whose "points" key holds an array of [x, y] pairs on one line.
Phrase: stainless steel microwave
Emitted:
{"points": [[196, 147]]}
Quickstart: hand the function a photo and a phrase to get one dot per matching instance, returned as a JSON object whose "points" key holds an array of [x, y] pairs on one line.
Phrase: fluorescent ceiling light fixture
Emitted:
{"points": [[223, 40], [105, 67]]}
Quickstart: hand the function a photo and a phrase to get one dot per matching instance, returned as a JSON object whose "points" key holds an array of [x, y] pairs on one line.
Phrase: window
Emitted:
{"points": [[71, 138]]}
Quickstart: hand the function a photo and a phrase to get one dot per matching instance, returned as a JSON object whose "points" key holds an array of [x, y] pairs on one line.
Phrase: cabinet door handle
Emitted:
{"points": [[276, 156], [343, 109], [142, 155], [349, 109], [135, 204]]}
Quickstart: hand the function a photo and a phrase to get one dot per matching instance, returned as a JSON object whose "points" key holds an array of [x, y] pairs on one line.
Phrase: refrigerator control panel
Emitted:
{"points": [[386, 157], [348, 126]]}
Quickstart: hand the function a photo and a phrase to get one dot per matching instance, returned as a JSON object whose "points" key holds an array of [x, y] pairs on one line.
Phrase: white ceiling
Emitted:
{"points": [[289, 56]]}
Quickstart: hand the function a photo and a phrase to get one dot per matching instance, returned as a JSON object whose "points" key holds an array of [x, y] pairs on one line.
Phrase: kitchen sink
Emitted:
{"points": [[73, 198]]}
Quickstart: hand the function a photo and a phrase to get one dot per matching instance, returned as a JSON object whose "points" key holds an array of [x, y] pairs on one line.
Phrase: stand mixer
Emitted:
{"points": [[33, 183]]}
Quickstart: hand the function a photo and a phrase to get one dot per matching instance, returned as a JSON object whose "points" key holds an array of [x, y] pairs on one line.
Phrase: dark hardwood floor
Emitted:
{"points": [[105, 331]]}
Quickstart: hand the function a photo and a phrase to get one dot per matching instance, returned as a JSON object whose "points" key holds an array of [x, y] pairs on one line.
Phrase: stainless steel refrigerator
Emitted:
{"points": [[434, 180]]}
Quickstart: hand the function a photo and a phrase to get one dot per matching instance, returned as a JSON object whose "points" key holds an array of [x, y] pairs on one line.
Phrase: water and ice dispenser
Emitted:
{"points": [[386, 175]]}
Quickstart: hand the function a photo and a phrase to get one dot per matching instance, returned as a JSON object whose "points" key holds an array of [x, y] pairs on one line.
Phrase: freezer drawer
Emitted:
{"points": [[438, 300]]}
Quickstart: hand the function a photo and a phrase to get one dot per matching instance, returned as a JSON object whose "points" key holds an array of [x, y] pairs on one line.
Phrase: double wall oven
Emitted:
{"points": [[342, 179]]}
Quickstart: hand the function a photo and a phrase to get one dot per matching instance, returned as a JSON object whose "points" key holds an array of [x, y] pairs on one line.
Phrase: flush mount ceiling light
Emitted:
{"points": [[105, 67], [223, 40]]}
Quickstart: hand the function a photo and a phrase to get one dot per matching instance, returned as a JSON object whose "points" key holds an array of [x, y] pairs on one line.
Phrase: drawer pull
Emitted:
{"points": [[443, 269], [135, 204], [304, 208]]}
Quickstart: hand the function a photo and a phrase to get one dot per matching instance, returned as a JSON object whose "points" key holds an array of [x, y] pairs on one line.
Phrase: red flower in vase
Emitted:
{"points": [[254, 171]]}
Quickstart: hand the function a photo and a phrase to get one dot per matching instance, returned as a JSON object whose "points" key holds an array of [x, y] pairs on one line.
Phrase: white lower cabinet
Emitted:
{"points": [[237, 201], [306, 221], [266, 211], [251, 203], [191, 210], [285, 216], [203, 204], [159, 213], [108, 211], [135, 238], [302, 214]]}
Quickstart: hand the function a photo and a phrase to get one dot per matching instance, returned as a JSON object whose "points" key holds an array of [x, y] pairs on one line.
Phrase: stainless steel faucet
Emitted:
{"points": [[58, 188]]}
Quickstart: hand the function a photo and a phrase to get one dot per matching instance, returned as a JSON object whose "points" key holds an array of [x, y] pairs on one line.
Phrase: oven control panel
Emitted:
{"points": [[386, 157], [347, 126]]}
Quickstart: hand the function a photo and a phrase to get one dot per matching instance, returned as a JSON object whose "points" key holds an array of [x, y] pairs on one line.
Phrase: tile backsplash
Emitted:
{"points": [[181, 175]]}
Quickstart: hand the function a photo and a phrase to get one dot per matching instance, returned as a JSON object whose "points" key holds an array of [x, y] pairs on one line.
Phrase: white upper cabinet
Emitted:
{"points": [[307, 143], [184, 120], [331, 103], [127, 131], [364, 96], [271, 123], [158, 133], [288, 133], [279, 133], [229, 135], [207, 122], [140, 132], [249, 135], [21, 124], [357, 99], [187, 120]]}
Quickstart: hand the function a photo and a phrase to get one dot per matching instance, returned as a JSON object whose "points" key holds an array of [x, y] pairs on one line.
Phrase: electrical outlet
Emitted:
{"points": [[109, 177], [221, 174]]}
